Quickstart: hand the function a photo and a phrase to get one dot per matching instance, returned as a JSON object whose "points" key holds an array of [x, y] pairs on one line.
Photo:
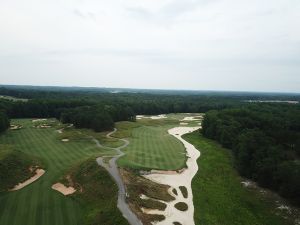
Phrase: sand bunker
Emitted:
{"points": [[183, 123], [158, 117], [190, 118], [15, 127], [44, 126], [60, 131], [38, 120], [175, 180], [39, 173], [63, 189], [163, 116], [65, 140]]}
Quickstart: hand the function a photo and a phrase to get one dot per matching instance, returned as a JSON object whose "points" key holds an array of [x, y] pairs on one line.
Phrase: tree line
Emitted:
{"points": [[4, 122], [265, 141], [98, 109], [98, 117]]}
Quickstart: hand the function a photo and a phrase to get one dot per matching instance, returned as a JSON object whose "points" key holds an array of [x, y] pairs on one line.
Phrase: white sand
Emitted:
{"points": [[163, 116], [39, 173], [15, 127], [191, 118], [44, 126], [60, 131], [183, 123], [65, 140], [158, 117], [176, 180], [39, 120], [63, 189]]}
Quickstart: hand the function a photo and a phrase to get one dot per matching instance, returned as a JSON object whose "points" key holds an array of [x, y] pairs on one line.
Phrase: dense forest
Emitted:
{"points": [[265, 141], [4, 121], [91, 108], [99, 108]]}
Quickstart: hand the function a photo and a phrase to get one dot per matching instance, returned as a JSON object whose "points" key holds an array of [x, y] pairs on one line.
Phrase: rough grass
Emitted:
{"points": [[151, 147], [137, 186], [97, 194], [181, 206], [184, 191], [15, 167], [219, 197], [37, 203]]}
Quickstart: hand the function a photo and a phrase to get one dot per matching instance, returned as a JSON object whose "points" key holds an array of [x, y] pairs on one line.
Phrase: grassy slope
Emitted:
{"points": [[219, 198], [38, 203], [152, 148], [98, 195], [14, 167]]}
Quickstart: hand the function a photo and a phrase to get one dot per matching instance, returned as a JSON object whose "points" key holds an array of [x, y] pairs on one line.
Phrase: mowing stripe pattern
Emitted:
{"points": [[153, 148], [37, 203]]}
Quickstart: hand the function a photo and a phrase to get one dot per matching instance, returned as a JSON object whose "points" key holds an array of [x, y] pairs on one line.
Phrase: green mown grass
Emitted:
{"points": [[151, 147], [219, 197], [37, 203]]}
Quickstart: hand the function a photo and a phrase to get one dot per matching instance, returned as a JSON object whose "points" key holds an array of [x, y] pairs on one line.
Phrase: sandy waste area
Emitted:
{"points": [[175, 180]]}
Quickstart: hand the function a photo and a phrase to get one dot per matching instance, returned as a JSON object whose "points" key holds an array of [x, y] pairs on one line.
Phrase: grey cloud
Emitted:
{"points": [[85, 15], [169, 12]]}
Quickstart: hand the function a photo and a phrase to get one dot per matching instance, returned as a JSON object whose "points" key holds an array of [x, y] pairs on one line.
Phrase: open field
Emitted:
{"points": [[219, 197], [38, 203]]}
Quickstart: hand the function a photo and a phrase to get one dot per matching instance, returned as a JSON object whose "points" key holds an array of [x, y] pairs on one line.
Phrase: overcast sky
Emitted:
{"points": [[174, 44]]}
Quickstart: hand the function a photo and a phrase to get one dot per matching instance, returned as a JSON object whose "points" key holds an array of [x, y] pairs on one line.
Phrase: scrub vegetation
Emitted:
{"points": [[265, 142], [219, 196], [15, 167]]}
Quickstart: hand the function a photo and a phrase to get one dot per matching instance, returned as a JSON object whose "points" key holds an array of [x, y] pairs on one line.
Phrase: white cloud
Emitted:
{"points": [[216, 44]]}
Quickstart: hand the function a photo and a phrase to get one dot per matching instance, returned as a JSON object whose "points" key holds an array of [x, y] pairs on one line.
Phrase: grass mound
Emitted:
{"points": [[15, 167], [97, 194], [184, 191], [181, 206], [136, 187]]}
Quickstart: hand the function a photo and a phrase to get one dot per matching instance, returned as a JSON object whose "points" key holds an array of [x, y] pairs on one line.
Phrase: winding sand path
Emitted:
{"points": [[176, 180], [113, 170]]}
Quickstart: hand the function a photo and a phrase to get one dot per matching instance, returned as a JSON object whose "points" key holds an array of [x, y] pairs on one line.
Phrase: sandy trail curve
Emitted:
{"points": [[38, 174], [113, 170], [176, 180]]}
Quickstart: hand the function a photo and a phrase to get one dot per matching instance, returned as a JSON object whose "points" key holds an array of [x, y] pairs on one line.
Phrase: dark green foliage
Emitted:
{"points": [[4, 122], [220, 199], [265, 142], [288, 176], [88, 117]]}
